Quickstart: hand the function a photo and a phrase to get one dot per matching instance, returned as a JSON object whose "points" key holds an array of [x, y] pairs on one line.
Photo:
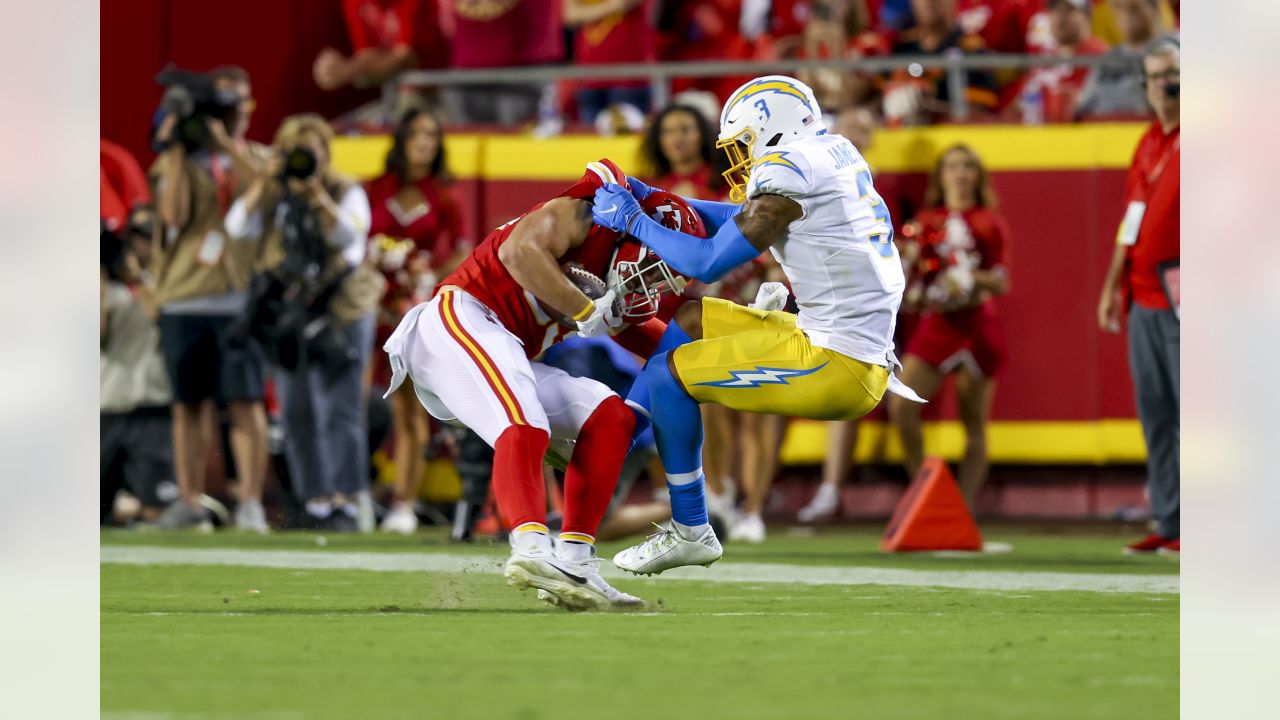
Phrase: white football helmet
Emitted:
{"points": [[767, 112]]}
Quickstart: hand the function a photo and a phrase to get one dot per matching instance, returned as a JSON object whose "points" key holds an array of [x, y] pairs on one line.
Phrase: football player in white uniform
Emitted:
{"points": [[810, 200]]}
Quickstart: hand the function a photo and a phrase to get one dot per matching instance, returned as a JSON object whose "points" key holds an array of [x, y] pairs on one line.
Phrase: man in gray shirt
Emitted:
{"points": [[1115, 87]]}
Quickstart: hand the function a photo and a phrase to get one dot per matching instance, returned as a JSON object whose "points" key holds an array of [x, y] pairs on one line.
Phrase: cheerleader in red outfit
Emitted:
{"points": [[955, 252], [415, 239]]}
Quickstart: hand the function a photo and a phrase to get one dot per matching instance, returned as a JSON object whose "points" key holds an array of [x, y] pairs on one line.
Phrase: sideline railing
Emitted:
{"points": [[659, 75]]}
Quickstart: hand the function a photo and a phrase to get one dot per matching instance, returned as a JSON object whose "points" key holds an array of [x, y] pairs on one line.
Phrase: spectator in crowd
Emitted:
{"points": [[702, 30], [835, 29], [917, 96], [136, 449], [416, 233], [956, 251], [500, 34], [124, 186], [387, 37], [679, 154], [312, 226], [1115, 88], [610, 31], [1143, 278], [200, 281], [893, 15], [1107, 29], [1050, 93], [1004, 25]]}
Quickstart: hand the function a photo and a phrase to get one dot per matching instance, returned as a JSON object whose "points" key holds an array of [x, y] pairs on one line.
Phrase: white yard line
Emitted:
{"points": [[722, 572]]}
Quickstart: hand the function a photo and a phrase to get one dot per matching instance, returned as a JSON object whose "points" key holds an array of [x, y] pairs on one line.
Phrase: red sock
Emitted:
{"points": [[593, 470], [517, 475]]}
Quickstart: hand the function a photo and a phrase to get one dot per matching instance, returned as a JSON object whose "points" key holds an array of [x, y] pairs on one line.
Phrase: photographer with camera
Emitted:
{"points": [[248, 158], [136, 451], [312, 306], [200, 287]]}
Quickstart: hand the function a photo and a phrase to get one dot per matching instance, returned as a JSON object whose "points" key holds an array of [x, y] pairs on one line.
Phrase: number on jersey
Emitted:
{"points": [[867, 191]]}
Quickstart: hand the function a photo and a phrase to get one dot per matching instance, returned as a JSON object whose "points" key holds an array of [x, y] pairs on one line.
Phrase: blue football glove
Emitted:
{"points": [[639, 189], [614, 207]]}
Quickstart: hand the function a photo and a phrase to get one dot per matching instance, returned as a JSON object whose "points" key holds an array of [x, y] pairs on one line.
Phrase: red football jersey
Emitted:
{"points": [[485, 277]]}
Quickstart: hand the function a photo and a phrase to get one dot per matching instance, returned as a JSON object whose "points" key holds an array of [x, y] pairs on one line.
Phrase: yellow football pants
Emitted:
{"points": [[760, 362]]}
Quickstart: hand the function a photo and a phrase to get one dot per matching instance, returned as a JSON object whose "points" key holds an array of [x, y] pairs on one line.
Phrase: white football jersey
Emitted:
{"points": [[840, 258]]}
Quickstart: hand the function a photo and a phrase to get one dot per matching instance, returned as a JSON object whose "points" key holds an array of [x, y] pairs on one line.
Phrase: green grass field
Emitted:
{"points": [[280, 627]]}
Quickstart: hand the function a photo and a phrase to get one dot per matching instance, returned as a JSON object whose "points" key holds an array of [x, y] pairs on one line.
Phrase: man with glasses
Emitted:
{"points": [[1143, 278]]}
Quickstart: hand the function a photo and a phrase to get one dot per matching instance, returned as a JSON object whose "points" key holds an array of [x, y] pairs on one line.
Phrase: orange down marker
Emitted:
{"points": [[931, 515]]}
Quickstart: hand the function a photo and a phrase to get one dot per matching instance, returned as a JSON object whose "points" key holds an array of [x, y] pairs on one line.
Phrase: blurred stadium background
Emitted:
{"points": [[332, 622], [1063, 439]]}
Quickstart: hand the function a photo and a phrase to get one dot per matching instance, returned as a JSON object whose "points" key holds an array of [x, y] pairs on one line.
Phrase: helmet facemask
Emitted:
{"points": [[640, 284], [738, 148], [637, 275]]}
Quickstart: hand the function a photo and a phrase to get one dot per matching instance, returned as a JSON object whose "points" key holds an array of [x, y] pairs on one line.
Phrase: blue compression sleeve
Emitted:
{"points": [[638, 397], [714, 214], [677, 426], [706, 260]]}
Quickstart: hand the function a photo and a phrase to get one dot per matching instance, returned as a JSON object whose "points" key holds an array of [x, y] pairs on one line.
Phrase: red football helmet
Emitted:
{"points": [[636, 273]]}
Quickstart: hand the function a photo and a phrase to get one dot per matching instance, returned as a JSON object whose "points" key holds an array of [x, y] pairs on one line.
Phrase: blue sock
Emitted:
{"points": [[677, 427], [638, 397]]}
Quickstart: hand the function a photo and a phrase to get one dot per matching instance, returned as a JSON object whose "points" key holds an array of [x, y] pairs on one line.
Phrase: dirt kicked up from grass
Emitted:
{"points": [[240, 641]]}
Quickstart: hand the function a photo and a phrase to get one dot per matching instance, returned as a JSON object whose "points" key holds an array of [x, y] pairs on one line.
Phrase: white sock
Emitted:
{"points": [[319, 508], [691, 532], [573, 550], [533, 538]]}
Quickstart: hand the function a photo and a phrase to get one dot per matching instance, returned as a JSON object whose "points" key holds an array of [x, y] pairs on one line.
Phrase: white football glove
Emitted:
{"points": [[771, 296], [601, 320]]}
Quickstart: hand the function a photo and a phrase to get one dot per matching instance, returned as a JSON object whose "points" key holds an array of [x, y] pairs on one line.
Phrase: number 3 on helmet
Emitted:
{"points": [[636, 273], [767, 112]]}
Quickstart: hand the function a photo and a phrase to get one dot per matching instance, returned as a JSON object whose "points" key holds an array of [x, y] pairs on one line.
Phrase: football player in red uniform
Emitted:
{"points": [[956, 248], [469, 352]]}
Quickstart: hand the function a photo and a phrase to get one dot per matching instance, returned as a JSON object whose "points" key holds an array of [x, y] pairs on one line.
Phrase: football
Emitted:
{"points": [[586, 281]]}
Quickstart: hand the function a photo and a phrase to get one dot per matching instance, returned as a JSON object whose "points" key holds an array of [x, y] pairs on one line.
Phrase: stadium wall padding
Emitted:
{"points": [[1064, 395]]}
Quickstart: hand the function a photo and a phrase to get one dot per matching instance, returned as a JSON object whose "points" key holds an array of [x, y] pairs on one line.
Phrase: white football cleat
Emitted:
{"points": [[401, 520], [823, 506], [588, 568], [666, 549], [749, 528], [565, 583]]}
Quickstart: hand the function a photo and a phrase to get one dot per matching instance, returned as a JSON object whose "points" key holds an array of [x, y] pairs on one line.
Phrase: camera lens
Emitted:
{"points": [[300, 163]]}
